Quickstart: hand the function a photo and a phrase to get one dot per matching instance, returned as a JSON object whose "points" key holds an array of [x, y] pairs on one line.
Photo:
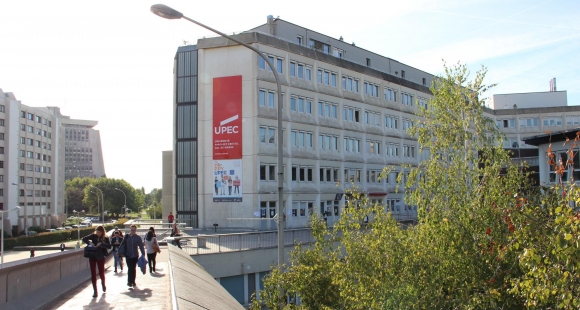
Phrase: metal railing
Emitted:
{"points": [[212, 244]]}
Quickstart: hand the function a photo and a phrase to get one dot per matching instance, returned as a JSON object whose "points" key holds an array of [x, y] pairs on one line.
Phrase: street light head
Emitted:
{"points": [[15, 208], [164, 11], [14, 183]]}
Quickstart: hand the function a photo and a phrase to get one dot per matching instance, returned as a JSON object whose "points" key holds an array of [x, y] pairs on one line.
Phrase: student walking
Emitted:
{"points": [[152, 249], [116, 241], [170, 218], [98, 239], [132, 244]]}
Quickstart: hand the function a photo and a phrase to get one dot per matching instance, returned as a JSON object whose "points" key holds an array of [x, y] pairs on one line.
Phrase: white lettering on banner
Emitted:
{"points": [[225, 129], [229, 120]]}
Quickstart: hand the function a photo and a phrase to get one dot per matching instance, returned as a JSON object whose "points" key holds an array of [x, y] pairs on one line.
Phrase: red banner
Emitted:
{"points": [[227, 117]]}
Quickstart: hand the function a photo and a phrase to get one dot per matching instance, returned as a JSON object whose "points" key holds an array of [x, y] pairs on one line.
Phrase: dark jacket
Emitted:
{"points": [[104, 241], [132, 245], [115, 240]]}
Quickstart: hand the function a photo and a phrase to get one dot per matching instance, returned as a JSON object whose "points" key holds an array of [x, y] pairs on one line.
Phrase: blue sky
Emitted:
{"points": [[112, 61]]}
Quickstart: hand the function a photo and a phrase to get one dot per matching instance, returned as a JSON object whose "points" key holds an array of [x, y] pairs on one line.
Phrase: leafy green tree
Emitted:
{"points": [[74, 199], [155, 210], [114, 199], [458, 255]]}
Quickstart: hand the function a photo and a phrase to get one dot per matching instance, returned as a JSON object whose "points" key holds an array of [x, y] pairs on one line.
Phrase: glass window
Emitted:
{"points": [[292, 69], [300, 71], [279, 65]]}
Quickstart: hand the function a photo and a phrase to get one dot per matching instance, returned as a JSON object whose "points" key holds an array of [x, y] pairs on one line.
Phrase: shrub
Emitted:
{"points": [[37, 229]]}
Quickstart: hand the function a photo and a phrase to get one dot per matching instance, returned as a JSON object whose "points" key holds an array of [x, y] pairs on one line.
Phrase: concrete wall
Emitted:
{"points": [[18, 279], [529, 100], [167, 185]]}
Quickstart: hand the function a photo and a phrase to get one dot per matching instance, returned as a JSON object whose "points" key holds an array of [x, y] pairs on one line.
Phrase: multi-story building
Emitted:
{"points": [[345, 115], [82, 149], [33, 153]]}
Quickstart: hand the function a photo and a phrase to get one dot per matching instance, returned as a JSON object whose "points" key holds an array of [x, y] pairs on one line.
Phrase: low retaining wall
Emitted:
{"points": [[18, 279]]}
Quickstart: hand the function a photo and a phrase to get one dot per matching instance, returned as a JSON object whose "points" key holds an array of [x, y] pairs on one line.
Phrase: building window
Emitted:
{"points": [[30, 116], [351, 114], [349, 84], [351, 145], [267, 172], [373, 176], [299, 40], [302, 174], [328, 109], [391, 121], [423, 103], [38, 119], [1, 136], [407, 123], [276, 61], [372, 118], [406, 99], [2, 194], [337, 52], [301, 138], [267, 135], [408, 151], [352, 175], [266, 98], [1, 164], [299, 208], [371, 89], [267, 209], [373, 147], [301, 105], [368, 62], [392, 150], [317, 45], [570, 120], [328, 142], [425, 81], [2, 108], [510, 123]]}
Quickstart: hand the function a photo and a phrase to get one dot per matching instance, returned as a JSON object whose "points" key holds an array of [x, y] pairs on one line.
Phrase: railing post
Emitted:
{"points": [[240, 241], [219, 244], [259, 240]]}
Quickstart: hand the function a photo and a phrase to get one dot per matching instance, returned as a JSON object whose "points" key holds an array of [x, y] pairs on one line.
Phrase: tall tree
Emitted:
{"points": [[456, 256]]}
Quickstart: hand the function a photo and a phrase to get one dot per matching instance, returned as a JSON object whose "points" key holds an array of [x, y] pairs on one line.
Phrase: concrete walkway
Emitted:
{"points": [[152, 290]]}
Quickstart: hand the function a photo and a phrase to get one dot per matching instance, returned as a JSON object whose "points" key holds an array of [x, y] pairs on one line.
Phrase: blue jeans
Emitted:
{"points": [[118, 260]]}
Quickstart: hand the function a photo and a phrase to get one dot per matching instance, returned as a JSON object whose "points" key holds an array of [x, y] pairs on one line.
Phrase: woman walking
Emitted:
{"points": [[132, 243], [116, 241], [150, 240], [98, 239]]}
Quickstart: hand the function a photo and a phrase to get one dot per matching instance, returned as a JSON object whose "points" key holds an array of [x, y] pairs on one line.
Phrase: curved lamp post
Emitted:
{"points": [[169, 13], [102, 203], [2, 232], [125, 205], [25, 209], [98, 199]]}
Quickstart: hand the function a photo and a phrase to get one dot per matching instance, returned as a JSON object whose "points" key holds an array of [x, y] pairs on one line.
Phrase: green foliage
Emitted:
{"points": [[37, 229], [155, 210], [114, 199], [473, 247]]}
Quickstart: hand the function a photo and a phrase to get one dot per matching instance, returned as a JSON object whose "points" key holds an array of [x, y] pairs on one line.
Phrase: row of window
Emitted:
{"points": [[37, 118], [28, 167], [38, 181], [329, 174], [37, 131], [29, 154], [330, 110], [551, 121], [32, 142], [330, 78], [299, 138], [37, 193]]}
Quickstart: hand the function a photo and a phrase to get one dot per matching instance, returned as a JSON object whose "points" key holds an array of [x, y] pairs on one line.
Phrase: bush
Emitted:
{"points": [[41, 238], [7, 235], [37, 229]]}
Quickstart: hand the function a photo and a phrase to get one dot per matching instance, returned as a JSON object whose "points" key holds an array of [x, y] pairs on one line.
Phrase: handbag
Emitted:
{"points": [[94, 252], [155, 247], [121, 249]]}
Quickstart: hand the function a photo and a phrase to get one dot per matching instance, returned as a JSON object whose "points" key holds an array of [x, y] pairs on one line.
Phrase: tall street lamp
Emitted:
{"points": [[78, 227], [102, 204], [25, 209], [169, 13], [125, 205], [98, 199], [2, 232]]}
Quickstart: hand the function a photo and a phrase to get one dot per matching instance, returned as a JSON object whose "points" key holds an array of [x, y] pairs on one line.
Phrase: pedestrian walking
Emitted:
{"points": [[170, 218], [152, 249], [117, 230], [174, 233], [31, 253], [100, 240], [62, 246], [132, 244], [116, 241]]}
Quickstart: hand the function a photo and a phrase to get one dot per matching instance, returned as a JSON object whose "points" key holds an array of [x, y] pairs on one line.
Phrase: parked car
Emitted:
{"points": [[87, 224], [75, 226], [31, 232], [68, 228], [60, 228], [51, 230]]}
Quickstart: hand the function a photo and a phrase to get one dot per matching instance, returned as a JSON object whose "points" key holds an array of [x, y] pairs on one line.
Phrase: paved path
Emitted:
{"points": [[152, 291]]}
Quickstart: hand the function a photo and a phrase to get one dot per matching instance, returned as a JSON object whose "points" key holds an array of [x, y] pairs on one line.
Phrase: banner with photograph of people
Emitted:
{"points": [[227, 180]]}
